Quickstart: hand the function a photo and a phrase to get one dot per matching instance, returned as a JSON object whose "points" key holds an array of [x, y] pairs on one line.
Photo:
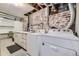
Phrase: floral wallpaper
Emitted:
{"points": [[38, 19], [25, 23], [59, 20]]}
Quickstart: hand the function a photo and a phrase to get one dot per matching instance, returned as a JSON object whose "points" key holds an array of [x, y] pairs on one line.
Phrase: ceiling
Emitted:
{"points": [[21, 9], [16, 9], [39, 6]]}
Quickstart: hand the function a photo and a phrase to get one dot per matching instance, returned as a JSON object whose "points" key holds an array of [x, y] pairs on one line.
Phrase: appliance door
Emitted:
{"points": [[54, 50]]}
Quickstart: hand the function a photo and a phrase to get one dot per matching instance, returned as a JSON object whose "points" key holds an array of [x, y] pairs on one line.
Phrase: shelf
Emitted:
{"points": [[3, 33], [7, 26]]}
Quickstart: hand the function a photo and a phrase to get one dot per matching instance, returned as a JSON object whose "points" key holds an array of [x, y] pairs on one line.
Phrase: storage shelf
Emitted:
{"points": [[7, 26]]}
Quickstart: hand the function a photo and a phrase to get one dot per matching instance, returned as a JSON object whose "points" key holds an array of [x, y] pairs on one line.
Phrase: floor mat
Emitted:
{"points": [[13, 48], [20, 52]]}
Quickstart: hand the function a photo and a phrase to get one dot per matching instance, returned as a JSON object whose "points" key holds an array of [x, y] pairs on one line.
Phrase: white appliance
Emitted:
{"points": [[59, 44], [54, 50]]}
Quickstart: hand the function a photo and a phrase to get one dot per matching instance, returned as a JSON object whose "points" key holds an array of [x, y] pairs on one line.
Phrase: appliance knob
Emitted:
{"points": [[43, 44]]}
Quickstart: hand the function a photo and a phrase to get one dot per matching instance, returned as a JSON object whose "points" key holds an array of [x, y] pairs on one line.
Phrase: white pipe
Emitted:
{"points": [[72, 12], [77, 19]]}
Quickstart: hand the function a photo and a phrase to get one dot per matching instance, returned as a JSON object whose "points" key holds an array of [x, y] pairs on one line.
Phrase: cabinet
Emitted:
{"points": [[20, 39], [3, 36], [33, 44]]}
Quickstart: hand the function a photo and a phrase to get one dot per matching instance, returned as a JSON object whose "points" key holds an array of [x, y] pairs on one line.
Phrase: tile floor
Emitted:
{"points": [[4, 51]]}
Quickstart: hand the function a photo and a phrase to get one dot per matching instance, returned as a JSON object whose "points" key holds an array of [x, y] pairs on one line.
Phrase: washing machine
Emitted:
{"points": [[62, 42]]}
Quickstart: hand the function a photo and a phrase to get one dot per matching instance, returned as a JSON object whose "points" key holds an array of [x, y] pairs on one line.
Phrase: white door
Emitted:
{"points": [[53, 50]]}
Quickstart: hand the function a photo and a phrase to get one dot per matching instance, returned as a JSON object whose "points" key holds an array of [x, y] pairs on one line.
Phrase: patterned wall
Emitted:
{"points": [[38, 20], [59, 20], [25, 23]]}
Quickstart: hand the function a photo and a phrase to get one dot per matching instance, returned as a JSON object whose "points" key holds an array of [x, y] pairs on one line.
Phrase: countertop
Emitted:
{"points": [[21, 32], [57, 34], [53, 34]]}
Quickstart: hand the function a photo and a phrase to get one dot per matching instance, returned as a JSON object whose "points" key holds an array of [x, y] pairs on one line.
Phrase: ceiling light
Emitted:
{"points": [[18, 4]]}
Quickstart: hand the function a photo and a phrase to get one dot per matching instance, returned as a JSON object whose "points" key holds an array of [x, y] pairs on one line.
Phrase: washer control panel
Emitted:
{"points": [[61, 31]]}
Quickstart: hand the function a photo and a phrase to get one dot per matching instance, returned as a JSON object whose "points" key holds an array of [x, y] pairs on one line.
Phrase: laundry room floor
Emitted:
{"points": [[4, 43]]}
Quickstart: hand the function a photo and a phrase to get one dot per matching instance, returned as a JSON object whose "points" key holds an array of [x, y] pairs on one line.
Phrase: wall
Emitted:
{"points": [[25, 23], [18, 26], [6, 25], [38, 20], [59, 20]]}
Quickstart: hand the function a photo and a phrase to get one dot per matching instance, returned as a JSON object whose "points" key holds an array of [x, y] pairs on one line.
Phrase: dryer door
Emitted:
{"points": [[54, 50]]}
